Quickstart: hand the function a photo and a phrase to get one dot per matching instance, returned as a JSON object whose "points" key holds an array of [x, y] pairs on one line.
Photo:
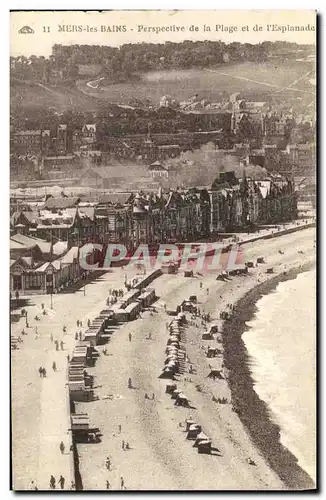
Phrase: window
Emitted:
{"points": [[33, 281]]}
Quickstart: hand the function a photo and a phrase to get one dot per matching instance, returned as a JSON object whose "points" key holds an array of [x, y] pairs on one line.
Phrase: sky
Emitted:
{"points": [[229, 26]]}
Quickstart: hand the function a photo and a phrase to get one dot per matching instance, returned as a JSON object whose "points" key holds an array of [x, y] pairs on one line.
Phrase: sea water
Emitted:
{"points": [[281, 343]]}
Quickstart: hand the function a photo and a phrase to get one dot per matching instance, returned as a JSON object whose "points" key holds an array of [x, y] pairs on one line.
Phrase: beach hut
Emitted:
{"points": [[181, 400], [189, 421], [129, 297], [80, 354], [181, 318], [212, 352], [170, 388], [205, 446], [193, 431], [147, 297], [175, 393], [133, 309], [167, 373], [188, 306], [173, 340], [200, 437], [121, 315]]}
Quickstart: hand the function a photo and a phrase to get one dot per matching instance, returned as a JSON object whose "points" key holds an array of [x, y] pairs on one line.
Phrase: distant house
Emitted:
{"points": [[156, 169], [89, 132]]}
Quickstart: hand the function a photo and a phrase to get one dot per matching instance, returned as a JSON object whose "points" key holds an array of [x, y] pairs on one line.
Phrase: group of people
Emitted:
{"points": [[108, 466], [122, 484], [115, 292], [42, 372], [79, 335], [61, 481], [125, 445]]}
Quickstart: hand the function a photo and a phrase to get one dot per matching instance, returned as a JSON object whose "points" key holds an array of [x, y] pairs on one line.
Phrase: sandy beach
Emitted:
{"points": [[160, 457]]}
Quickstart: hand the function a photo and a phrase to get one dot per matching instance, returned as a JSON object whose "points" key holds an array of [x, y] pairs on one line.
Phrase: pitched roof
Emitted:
{"points": [[15, 245], [61, 203], [116, 198], [90, 127], [86, 212], [30, 242]]}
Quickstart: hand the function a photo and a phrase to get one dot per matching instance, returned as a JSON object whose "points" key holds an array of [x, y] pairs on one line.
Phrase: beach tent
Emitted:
{"points": [[189, 421], [205, 446], [207, 336], [215, 374], [170, 388], [181, 400], [201, 437], [193, 431], [167, 373], [175, 393]]}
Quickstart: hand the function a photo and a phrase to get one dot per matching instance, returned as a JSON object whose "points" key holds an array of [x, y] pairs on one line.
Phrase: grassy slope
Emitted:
{"points": [[180, 84], [184, 83]]}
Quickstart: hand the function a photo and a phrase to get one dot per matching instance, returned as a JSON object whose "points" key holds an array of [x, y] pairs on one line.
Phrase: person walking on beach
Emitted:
{"points": [[76, 335], [33, 486], [62, 447], [123, 445], [54, 366], [52, 482], [72, 486], [122, 483], [51, 337], [77, 323], [129, 337], [108, 485], [61, 345], [108, 463], [57, 345], [88, 323], [62, 482], [44, 372], [129, 383], [119, 428], [40, 370]]}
